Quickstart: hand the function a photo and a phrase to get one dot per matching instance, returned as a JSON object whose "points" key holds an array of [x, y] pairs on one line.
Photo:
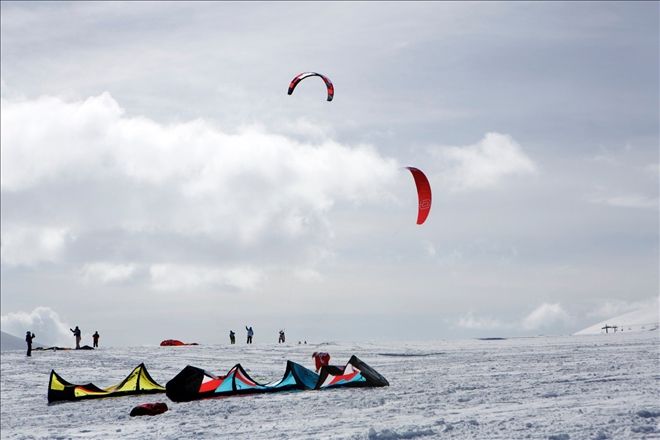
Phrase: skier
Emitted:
{"points": [[232, 337], [28, 338], [250, 333], [282, 339], [76, 333]]}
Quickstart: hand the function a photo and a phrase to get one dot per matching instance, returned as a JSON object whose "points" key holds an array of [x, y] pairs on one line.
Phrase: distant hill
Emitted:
{"points": [[644, 319], [11, 342]]}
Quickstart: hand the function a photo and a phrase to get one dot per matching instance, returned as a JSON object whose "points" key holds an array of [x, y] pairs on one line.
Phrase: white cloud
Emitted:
{"points": [[45, 137], [612, 308], [307, 274], [469, 321], [82, 139], [24, 245], [186, 179], [545, 315], [305, 128], [485, 163], [42, 321], [171, 277], [108, 272], [429, 248], [628, 201], [653, 169]]}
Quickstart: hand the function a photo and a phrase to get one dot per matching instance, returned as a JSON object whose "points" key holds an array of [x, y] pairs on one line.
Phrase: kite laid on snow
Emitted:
{"points": [[175, 343], [423, 194], [301, 76], [193, 383], [354, 374], [137, 382]]}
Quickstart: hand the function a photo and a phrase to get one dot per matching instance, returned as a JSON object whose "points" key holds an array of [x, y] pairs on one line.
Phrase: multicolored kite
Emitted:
{"points": [[301, 76], [139, 381]]}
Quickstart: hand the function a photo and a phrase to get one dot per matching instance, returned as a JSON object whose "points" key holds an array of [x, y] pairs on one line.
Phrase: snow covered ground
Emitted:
{"points": [[571, 387]]}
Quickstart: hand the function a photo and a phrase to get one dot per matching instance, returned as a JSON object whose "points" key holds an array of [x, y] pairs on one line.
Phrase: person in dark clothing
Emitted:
{"points": [[95, 337], [282, 338], [76, 332], [28, 338], [250, 333], [232, 337]]}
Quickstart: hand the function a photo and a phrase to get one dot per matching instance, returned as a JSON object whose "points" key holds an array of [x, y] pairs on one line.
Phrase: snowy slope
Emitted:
{"points": [[548, 387], [644, 319]]}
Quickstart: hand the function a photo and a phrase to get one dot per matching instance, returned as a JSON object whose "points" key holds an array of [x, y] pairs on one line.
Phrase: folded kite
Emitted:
{"points": [[138, 382], [193, 383]]}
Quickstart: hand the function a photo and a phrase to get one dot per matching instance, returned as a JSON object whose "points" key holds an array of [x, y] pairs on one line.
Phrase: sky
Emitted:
{"points": [[158, 182]]}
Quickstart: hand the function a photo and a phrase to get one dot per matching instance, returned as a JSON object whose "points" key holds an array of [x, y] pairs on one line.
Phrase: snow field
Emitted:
{"points": [[572, 387]]}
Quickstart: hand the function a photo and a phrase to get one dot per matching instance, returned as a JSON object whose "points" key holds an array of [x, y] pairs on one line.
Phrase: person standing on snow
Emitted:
{"points": [[95, 337], [76, 332], [250, 333], [232, 337], [28, 338]]}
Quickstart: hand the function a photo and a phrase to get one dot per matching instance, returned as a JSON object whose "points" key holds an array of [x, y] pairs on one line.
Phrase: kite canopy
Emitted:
{"points": [[301, 76], [193, 383], [423, 194], [175, 343], [355, 374], [139, 381]]}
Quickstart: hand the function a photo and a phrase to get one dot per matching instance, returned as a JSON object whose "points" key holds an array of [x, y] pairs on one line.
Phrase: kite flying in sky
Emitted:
{"points": [[423, 194], [301, 76], [422, 183]]}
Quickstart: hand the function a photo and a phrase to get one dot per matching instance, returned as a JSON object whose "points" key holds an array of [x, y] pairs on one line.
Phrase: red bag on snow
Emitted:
{"points": [[149, 409]]}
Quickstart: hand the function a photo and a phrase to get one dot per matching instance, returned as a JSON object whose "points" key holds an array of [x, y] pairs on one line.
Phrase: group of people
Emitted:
{"points": [[29, 336], [321, 359], [250, 334], [78, 335], [232, 335]]}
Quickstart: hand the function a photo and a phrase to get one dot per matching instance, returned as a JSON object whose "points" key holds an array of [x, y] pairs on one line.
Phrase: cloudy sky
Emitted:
{"points": [[158, 182]]}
